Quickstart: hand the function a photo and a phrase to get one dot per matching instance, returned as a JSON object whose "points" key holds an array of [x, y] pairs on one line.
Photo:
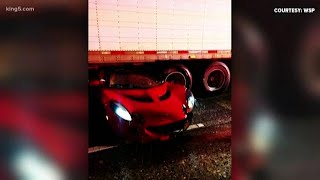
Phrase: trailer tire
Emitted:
{"points": [[180, 75], [216, 77]]}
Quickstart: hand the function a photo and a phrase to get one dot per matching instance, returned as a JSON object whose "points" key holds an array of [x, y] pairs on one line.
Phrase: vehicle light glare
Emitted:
{"points": [[122, 112], [263, 133], [31, 165], [191, 100]]}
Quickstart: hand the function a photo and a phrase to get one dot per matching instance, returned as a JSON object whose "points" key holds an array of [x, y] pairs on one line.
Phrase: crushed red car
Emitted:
{"points": [[139, 107]]}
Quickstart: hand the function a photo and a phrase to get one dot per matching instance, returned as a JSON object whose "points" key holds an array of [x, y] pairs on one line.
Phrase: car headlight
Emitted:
{"points": [[190, 100], [121, 111]]}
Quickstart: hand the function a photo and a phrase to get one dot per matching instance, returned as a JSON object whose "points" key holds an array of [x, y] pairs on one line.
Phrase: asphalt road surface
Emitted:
{"points": [[203, 152]]}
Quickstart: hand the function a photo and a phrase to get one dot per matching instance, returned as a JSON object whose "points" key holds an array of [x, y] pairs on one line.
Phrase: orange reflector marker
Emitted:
{"points": [[192, 56], [105, 52]]}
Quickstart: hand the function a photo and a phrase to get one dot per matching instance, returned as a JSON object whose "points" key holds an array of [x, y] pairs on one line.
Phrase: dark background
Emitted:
{"points": [[275, 96], [43, 85]]}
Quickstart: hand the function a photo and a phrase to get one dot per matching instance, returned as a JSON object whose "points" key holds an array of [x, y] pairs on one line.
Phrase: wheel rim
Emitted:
{"points": [[176, 78], [215, 80]]}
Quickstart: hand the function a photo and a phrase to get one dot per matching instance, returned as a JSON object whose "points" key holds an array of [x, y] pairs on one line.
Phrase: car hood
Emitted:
{"points": [[162, 103]]}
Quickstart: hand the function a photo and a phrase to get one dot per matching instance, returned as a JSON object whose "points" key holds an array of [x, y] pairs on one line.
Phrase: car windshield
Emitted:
{"points": [[132, 81]]}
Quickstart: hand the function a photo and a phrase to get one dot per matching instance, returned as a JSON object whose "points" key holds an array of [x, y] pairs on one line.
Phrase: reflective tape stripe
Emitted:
{"points": [[183, 52], [212, 51], [117, 52], [150, 52], [162, 52], [159, 52], [194, 52]]}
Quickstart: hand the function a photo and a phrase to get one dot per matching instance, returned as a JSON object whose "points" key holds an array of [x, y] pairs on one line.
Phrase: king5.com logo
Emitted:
{"points": [[18, 9]]}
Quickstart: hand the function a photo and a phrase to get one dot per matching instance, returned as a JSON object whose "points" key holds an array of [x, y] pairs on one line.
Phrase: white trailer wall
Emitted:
{"points": [[142, 25]]}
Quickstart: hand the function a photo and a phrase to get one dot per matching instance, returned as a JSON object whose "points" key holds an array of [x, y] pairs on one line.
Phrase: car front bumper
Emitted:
{"points": [[139, 132]]}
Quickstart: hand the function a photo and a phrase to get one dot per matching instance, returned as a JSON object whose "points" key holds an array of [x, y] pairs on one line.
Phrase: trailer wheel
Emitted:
{"points": [[216, 78], [179, 74]]}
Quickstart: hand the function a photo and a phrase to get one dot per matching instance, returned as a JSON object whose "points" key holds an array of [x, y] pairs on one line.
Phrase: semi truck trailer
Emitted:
{"points": [[189, 41]]}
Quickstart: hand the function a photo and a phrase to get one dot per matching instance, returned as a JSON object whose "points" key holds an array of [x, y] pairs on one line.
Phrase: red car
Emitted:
{"points": [[141, 108], [42, 138]]}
